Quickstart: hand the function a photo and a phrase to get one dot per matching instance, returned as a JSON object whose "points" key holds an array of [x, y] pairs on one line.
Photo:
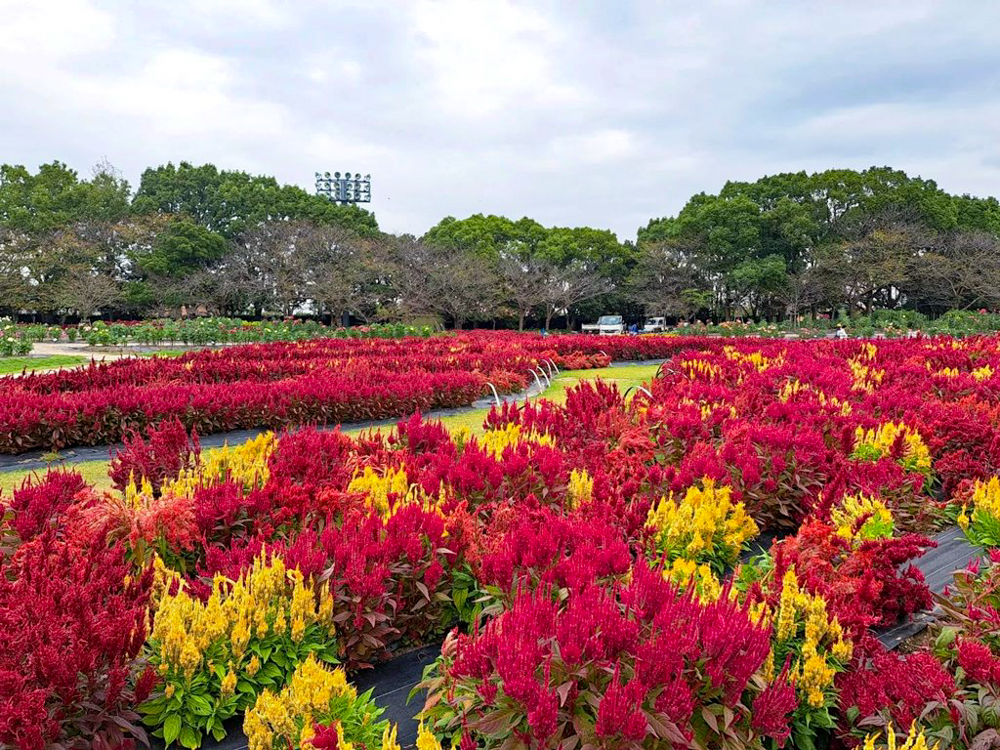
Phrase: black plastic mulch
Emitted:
{"points": [[953, 553]]}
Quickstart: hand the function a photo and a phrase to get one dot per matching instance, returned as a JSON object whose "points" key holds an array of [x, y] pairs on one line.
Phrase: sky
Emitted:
{"points": [[574, 113]]}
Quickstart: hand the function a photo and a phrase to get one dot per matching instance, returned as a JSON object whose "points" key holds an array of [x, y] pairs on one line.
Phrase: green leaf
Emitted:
{"points": [[200, 705], [190, 738], [171, 728]]}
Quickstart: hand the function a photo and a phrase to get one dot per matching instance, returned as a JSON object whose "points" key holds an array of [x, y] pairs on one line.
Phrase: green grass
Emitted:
{"points": [[16, 365], [96, 472]]}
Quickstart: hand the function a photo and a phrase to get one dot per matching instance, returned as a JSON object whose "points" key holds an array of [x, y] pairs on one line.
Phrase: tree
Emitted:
{"points": [[839, 233], [348, 273], [55, 197], [960, 270], [566, 287], [871, 270], [758, 283], [448, 281], [14, 283], [86, 292], [183, 247], [491, 237], [664, 279], [233, 202], [526, 284]]}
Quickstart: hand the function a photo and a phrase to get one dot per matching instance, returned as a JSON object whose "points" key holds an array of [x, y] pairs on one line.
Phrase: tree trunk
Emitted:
{"points": [[548, 317], [520, 320]]}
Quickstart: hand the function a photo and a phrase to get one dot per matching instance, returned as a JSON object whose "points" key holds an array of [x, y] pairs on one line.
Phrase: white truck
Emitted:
{"points": [[606, 325], [654, 325]]}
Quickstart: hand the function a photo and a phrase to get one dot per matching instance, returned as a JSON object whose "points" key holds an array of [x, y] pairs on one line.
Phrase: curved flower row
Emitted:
{"points": [[281, 384]]}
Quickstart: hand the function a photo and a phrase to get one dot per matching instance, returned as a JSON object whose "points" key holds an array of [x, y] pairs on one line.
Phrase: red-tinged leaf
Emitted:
{"points": [[563, 691], [710, 718]]}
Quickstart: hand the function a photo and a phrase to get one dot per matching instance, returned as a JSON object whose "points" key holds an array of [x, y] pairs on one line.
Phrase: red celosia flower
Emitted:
{"points": [[772, 708]]}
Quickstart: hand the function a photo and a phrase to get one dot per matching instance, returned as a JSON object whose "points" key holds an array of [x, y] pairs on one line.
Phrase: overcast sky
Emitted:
{"points": [[574, 113]]}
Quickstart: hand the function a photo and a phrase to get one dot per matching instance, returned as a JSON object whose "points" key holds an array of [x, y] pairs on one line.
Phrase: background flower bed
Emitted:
{"points": [[584, 552], [280, 384]]}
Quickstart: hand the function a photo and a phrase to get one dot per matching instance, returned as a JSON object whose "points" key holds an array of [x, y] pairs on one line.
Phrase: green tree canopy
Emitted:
{"points": [[182, 248], [55, 196], [231, 202]]}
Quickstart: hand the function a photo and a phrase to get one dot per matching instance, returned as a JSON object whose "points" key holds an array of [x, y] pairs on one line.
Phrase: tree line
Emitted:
{"points": [[245, 245]]}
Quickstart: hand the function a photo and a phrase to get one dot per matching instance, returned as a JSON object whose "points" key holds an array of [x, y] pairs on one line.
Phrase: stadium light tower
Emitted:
{"points": [[344, 188]]}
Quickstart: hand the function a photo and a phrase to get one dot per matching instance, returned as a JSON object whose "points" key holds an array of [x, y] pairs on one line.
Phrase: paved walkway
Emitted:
{"points": [[76, 348]]}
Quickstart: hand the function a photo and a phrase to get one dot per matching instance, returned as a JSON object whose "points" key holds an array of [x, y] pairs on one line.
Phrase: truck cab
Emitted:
{"points": [[606, 325]]}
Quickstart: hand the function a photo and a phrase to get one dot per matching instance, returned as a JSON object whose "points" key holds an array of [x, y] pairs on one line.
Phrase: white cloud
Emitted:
{"points": [[48, 33], [604, 114], [607, 145], [488, 56], [182, 94]]}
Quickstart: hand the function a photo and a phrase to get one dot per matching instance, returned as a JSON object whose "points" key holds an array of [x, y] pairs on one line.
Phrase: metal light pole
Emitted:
{"points": [[344, 188]]}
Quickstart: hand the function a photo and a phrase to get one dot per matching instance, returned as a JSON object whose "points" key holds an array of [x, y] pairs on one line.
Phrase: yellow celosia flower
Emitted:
{"points": [[915, 740], [342, 744], [389, 738], [246, 464], [688, 573], [786, 625], [815, 677], [790, 389], [253, 666], [460, 436], [986, 499], [499, 439], [767, 670], [288, 716], [703, 526], [851, 509], [982, 373], [699, 369], [385, 493], [801, 614], [756, 359], [426, 739], [184, 627], [875, 443], [794, 387], [580, 490], [963, 518], [229, 683], [865, 378]]}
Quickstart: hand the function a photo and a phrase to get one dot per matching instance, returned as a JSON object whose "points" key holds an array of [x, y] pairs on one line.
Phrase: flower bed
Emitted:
{"points": [[582, 562], [279, 384]]}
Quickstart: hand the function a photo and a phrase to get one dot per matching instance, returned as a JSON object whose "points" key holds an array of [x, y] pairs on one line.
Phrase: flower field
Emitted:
{"points": [[278, 384], [701, 567]]}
